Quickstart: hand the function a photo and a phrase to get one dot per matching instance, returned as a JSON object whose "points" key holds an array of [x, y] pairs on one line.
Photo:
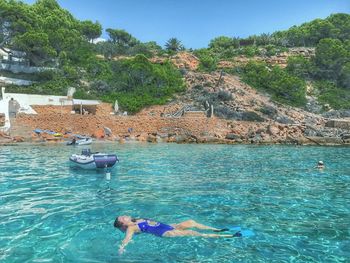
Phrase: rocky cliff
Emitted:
{"points": [[216, 107]]}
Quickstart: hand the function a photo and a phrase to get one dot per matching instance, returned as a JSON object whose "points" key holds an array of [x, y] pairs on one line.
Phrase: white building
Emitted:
{"points": [[26, 100]]}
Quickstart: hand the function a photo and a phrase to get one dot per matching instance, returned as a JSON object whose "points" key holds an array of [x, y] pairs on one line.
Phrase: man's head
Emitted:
{"points": [[122, 222]]}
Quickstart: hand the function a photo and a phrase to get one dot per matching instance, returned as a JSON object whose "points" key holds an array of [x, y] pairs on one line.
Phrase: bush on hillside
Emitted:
{"points": [[299, 66], [137, 83], [279, 83], [207, 61], [330, 94]]}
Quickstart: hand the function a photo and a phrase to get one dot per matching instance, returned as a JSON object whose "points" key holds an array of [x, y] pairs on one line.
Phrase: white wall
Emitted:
{"points": [[26, 100], [17, 68], [18, 82], [34, 99]]}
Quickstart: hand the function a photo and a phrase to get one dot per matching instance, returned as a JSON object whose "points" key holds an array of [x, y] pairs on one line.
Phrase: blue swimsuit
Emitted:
{"points": [[158, 229]]}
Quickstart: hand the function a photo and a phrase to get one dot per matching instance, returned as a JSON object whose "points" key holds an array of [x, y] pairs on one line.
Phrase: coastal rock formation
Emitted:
{"points": [[182, 60], [217, 108]]}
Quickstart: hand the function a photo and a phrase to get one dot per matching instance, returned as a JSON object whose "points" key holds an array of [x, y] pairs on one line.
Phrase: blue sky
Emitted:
{"points": [[196, 22]]}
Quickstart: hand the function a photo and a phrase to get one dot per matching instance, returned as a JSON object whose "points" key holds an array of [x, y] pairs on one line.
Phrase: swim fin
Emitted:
{"points": [[222, 230], [243, 233]]}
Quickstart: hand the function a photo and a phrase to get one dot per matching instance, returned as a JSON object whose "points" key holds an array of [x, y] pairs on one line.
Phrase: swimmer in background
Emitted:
{"points": [[131, 226], [320, 165]]}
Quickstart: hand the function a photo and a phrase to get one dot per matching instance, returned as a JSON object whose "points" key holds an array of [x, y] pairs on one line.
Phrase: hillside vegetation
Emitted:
{"points": [[120, 68], [328, 71]]}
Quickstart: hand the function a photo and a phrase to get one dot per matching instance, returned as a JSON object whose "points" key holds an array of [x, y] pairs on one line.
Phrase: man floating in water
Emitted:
{"points": [[131, 226], [320, 165]]}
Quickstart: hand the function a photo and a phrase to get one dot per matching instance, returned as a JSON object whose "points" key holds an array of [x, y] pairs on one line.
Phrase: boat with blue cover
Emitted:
{"points": [[90, 161]]}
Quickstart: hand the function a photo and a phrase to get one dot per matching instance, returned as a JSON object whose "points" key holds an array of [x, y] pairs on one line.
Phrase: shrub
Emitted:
{"points": [[57, 87], [137, 83], [101, 86], [228, 113], [47, 75], [330, 94], [299, 66], [251, 116], [83, 94], [207, 61], [279, 83], [250, 51], [268, 110], [224, 95]]}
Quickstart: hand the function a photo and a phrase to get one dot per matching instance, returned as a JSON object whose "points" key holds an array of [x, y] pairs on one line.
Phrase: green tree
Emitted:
{"points": [[91, 30], [16, 18], [287, 88], [330, 58], [223, 42], [174, 45], [121, 37], [107, 49], [344, 78], [317, 30], [279, 83], [207, 61], [341, 22], [264, 39], [37, 47], [299, 66]]}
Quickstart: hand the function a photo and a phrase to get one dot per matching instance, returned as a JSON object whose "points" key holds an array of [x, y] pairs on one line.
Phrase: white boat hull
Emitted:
{"points": [[84, 142]]}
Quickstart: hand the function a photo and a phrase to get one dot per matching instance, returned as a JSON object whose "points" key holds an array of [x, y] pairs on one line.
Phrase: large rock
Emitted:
{"points": [[232, 136], [326, 140], [337, 114], [273, 130], [284, 120], [142, 137], [18, 139], [151, 138], [181, 138], [311, 131]]}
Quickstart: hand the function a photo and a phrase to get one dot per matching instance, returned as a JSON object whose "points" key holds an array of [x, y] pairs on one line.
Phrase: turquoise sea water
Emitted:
{"points": [[52, 213]]}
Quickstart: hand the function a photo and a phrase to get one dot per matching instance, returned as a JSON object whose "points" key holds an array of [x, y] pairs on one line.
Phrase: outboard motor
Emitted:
{"points": [[86, 152]]}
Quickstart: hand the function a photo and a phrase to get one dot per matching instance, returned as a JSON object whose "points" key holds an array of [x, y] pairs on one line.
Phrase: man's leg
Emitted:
{"points": [[193, 224], [184, 233]]}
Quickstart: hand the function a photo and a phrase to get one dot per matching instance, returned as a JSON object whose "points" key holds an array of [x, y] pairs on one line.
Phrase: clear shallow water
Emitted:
{"points": [[52, 213]]}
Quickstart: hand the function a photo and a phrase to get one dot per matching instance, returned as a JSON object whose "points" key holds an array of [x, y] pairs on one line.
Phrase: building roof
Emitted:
{"points": [[85, 102]]}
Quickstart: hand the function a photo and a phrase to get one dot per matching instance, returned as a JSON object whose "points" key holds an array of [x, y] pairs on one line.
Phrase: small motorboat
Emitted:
{"points": [[84, 141], [89, 160]]}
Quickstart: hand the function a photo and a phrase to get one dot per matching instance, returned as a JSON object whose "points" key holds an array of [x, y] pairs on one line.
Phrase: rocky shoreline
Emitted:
{"points": [[272, 135]]}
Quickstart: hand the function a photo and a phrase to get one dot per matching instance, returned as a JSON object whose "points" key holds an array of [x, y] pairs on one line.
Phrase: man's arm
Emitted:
{"points": [[128, 236]]}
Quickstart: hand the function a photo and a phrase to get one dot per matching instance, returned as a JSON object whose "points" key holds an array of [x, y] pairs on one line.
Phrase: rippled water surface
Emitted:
{"points": [[50, 212]]}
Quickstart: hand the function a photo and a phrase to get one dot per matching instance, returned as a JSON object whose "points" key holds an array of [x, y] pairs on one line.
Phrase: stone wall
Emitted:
{"points": [[47, 109], [340, 124], [88, 124], [104, 109]]}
